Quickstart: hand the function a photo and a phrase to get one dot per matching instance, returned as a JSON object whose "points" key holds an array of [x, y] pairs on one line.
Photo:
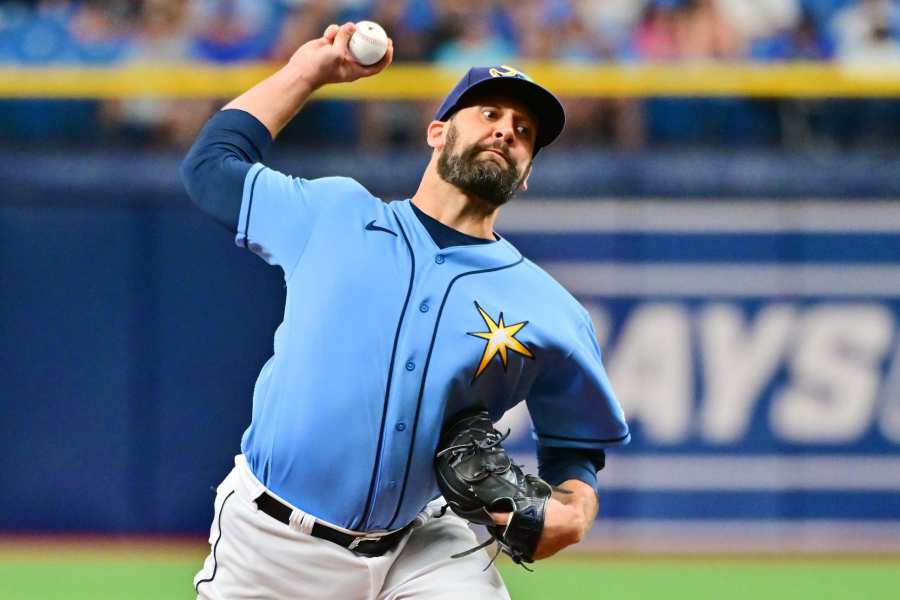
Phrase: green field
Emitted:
{"points": [[135, 575]]}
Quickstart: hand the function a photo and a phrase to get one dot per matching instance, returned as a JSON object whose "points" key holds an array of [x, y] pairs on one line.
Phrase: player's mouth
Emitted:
{"points": [[498, 153]]}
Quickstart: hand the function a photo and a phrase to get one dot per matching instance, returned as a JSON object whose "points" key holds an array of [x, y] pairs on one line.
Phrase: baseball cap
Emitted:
{"points": [[509, 81]]}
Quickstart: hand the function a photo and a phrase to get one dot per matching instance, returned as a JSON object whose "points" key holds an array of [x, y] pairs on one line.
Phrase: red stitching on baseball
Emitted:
{"points": [[366, 37]]}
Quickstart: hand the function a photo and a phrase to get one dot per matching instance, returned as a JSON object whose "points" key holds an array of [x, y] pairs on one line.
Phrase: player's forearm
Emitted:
{"points": [[567, 518], [583, 498], [278, 98]]}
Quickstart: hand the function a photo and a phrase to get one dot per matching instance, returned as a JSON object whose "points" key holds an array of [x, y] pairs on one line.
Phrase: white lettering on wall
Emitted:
{"points": [[650, 370], [737, 362], [834, 370]]}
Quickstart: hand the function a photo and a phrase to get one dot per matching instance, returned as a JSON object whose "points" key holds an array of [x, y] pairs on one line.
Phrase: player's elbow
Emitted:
{"points": [[191, 177], [212, 187]]}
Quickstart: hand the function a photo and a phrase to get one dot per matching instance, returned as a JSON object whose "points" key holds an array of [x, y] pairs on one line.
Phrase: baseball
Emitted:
{"points": [[368, 43]]}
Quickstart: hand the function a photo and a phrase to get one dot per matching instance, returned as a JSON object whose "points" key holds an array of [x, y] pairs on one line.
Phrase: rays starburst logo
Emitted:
{"points": [[500, 339]]}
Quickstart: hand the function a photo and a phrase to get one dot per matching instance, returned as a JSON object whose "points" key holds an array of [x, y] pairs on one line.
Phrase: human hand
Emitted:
{"points": [[568, 517], [328, 60]]}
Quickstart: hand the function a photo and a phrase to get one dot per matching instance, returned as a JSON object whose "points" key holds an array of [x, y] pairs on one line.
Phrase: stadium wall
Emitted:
{"points": [[753, 343]]}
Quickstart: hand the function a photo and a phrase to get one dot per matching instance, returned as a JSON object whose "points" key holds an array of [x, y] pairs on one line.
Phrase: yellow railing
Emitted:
{"points": [[421, 82]]}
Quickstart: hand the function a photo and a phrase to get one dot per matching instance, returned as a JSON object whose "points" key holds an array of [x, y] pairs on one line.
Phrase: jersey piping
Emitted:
{"points": [[425, 376], [250, 209], [387, 392]]}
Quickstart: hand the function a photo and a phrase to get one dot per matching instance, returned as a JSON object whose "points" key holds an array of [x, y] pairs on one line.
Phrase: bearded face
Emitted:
{"points": [[484, 178]]}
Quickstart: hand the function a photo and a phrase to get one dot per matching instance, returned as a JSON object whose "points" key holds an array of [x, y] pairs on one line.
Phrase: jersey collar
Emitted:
{"points": [[468, 256]]}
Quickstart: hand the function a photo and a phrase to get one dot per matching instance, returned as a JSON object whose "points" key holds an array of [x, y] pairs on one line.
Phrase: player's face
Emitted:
{"points": [[487, 149]]}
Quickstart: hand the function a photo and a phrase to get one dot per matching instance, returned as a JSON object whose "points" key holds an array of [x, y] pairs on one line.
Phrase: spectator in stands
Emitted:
{"points": [[560, 34], [59, 31], [472, 37], [703, 33], [405, 26], [395, 124], [98, 30], [161, 35], [302, 21], [456, 34], [801, 41], [610, 24], [656, 35], [866, 31], [761, 23], [235, 30]]}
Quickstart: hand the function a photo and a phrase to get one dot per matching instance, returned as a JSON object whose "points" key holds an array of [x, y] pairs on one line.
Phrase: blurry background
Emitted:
{"points": [[724, 200]]}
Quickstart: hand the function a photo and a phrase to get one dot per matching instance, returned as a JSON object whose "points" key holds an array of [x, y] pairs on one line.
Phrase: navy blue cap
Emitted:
{"points": [[511, 82]]}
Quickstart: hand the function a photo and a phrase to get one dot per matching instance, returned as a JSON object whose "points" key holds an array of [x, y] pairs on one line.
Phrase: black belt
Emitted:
{"points": [[360, 544]]}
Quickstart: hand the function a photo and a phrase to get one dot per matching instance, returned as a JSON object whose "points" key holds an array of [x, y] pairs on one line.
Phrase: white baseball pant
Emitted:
{"points": [[253, 555]]}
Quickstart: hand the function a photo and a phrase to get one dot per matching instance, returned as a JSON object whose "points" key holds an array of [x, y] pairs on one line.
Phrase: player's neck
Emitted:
{"points": [[447, 204]]}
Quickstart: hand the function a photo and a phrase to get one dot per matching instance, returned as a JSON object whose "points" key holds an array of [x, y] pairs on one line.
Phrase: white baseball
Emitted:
{"points": [[368, 43]]}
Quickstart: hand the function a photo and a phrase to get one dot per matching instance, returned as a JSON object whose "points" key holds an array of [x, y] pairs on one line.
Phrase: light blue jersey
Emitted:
{"points": [[385, 334]]}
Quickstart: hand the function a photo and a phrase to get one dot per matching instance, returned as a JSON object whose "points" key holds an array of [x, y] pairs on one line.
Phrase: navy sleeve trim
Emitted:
{"points": [[544, 436], [217, 164], [556, 465]]}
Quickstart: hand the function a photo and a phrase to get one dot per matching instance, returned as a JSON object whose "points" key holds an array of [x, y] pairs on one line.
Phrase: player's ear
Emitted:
{"points": [[436, 133], [524, 184]]}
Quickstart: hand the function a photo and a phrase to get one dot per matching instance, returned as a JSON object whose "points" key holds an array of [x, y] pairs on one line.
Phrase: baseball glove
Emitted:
{"points": [[477, 477]]}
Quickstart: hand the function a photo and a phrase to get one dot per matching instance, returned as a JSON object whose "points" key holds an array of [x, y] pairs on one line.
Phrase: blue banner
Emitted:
{"points": [[753, 347]]}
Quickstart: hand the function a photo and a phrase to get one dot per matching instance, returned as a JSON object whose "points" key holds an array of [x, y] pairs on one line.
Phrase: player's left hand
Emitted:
{"points": [[567, 519]]}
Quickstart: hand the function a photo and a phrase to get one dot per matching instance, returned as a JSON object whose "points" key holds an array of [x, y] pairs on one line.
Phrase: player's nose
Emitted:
{"points": [[505, 135], [504, 129]]}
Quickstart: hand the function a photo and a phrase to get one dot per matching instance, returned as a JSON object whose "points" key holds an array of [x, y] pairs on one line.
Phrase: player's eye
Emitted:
{"points": [[489, 113], [523, 130]]}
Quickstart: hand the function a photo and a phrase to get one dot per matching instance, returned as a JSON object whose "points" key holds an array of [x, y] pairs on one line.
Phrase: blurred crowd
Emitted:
{"points": [[457, 34], [454, 32]]}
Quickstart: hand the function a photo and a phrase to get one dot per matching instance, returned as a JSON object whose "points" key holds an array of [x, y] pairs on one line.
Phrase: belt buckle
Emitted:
{"points": [[356, 542]]}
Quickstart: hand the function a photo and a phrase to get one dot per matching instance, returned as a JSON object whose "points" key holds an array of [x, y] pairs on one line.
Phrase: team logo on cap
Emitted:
{"points": [[507, 71], [500, 339]]}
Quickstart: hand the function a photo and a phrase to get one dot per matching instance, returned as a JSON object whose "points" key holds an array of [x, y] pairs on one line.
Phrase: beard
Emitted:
{"points": [[484, 179]]}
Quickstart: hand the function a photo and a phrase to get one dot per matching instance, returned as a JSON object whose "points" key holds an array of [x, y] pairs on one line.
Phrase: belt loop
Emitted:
{"points": [[302, 521]]}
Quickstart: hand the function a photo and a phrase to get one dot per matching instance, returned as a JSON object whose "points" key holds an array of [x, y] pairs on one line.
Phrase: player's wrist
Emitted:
{"points": [[301, 77]]}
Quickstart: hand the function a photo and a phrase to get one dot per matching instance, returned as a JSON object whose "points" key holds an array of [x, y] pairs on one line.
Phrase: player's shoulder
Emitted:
{"points": [[331, 187], [550, 293], [344, 193], [341, 186]]}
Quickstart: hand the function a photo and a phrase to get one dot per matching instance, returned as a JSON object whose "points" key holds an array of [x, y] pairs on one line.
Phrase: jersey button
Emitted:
{"points": [[410, 365], [439, 259], [424, 307], [400, 426]]}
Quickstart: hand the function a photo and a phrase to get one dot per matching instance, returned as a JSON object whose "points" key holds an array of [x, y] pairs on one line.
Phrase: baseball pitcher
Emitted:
{"points": [[410, 327]]}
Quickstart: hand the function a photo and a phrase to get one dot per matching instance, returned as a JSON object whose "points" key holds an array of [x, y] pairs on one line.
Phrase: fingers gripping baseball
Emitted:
{"points": [[330, 33], [328, 59]]}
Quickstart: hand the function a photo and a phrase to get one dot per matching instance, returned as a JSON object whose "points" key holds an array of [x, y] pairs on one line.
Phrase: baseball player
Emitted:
{"points": [[397, 315]]}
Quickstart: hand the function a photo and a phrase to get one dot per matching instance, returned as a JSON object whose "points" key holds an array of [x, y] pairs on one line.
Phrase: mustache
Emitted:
{"points": [[500, 147]]}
